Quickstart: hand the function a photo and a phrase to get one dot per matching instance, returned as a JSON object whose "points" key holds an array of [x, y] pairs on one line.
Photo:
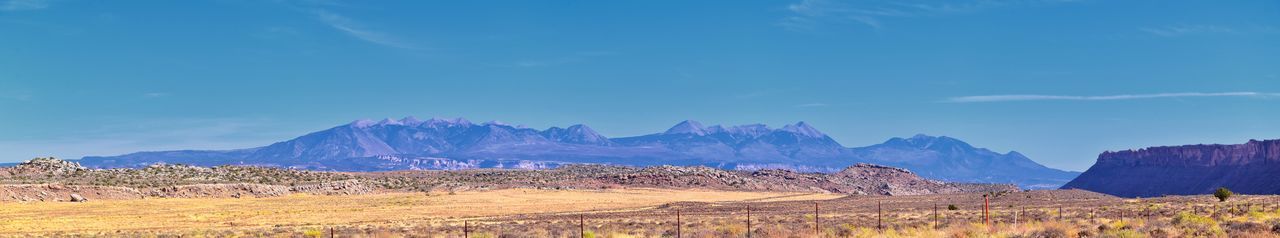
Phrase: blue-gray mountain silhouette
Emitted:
{"points": [[410, 143]]}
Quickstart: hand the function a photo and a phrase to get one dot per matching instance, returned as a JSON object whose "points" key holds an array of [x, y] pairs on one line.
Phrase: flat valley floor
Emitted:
{"points": [[642, 212]]}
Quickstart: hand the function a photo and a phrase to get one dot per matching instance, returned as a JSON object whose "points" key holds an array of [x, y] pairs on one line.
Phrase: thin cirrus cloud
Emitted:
{"points": [[807, 14], [23, 5], [1202, 29], [1187, 30], [350, 27], [1039, 97]]}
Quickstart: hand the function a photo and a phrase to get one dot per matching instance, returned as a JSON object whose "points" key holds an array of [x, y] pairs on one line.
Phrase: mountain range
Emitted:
{"points": [[412, 144], [1248, 168]]}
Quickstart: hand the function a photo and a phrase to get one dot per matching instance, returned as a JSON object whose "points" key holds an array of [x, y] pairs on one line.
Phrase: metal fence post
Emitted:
{"points": [[879, 217], [816, 220], [677, 223], [935, 215]]}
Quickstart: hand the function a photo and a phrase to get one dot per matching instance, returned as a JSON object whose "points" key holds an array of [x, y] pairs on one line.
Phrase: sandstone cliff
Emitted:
{"points": [[1249, 168]]}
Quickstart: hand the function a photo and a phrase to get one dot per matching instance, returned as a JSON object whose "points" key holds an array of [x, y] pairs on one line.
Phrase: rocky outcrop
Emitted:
{"points": [[49, 166], [64, 193], [181, 181], [1248, 168]]}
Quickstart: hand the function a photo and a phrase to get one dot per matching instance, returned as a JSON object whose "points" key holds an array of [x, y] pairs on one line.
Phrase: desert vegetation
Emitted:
{"points": [[653, 213], [39, 198]]}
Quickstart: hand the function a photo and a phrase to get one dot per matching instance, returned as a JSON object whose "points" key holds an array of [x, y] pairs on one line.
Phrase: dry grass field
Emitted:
{"points": [[182, 215], [651, 213]]}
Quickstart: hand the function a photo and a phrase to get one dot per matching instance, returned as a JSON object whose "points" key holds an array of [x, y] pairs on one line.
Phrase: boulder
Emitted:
{"points": [[78, 198]]}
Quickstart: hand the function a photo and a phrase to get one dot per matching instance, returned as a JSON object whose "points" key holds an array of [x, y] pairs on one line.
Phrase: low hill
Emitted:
{"points": [[44, 176]]}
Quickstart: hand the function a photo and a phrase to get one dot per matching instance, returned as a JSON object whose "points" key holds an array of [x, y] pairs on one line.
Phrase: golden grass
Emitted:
{"points": [[312, 210]]}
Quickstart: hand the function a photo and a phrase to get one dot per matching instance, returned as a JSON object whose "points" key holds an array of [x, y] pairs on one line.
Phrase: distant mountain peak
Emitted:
{"points": [[581, 128], [687, 127], [410, 120], [805, 129], [751, 130], [1015, 154], [365, 145], [438, 122], [922, 136], [577, 134], [389, 121], [497, 123], [924, 141], [361, 123]]}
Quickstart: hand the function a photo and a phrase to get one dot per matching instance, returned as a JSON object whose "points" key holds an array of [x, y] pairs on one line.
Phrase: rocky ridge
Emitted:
{"points": [[52, 180]]}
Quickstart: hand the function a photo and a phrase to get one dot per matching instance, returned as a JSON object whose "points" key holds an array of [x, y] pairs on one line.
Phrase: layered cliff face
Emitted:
{"points": [[1249, 168]]}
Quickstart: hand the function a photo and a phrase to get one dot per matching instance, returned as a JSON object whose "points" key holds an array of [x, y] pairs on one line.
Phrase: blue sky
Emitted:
{"points": [[1059, 81]]}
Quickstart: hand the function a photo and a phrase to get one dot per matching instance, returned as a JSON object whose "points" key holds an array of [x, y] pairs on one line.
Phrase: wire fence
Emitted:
{"points": [[824, 216]]}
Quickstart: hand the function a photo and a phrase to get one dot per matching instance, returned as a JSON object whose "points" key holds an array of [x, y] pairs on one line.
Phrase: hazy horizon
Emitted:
{"points": [[1056, 80]]}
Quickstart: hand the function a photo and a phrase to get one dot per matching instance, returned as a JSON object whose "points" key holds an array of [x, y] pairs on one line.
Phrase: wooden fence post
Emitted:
{"points": [[677, 223], [935, 215], [879, 215], [986, 210], [748, 221], [1015, 219], [582, 225], [465, 233]]}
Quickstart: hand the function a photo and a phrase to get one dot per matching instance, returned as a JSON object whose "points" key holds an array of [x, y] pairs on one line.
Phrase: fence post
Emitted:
{"points": [[748, 221], [986, 210], [1015, 219], [935, 215], [677, 223], [1059, 213], [816, 231], [879, 217], [465, 233], [582, 225]]}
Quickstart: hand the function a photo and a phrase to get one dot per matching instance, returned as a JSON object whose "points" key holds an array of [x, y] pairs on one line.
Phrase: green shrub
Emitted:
{"points": [[1222, 194], [952, 207]]}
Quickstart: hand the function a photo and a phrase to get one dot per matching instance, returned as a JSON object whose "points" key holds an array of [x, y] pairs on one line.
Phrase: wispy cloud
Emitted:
{"points": [[1182, 30], [350, 27], [807, 14], [1187, 29], [1041, 97], [23, 5], [114, 137]]}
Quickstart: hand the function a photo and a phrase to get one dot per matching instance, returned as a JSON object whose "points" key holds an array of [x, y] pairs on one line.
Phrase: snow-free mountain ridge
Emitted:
{"points": [[409, 143]]}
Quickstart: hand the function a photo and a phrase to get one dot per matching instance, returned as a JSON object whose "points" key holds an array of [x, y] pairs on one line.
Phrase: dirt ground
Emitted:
{"points": [[608, 213], [300, 210]]}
